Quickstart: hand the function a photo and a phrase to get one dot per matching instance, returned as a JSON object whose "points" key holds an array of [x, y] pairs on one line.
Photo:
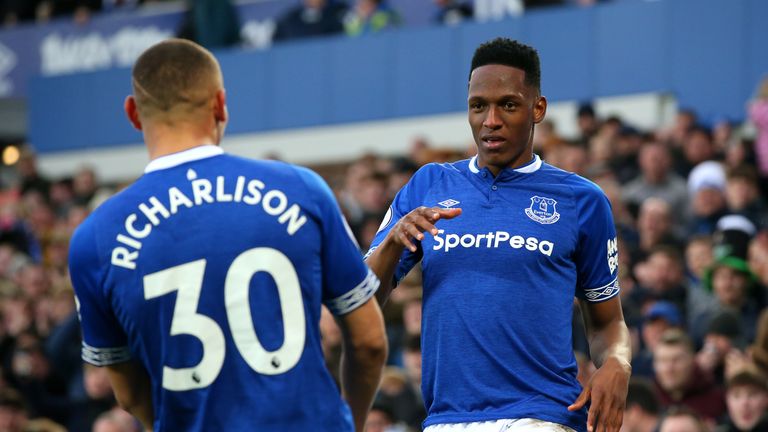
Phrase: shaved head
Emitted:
{"points": [[175, 80]]}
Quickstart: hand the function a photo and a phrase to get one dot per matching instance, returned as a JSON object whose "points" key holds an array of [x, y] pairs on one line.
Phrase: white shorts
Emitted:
{"points": [[506, 425]]}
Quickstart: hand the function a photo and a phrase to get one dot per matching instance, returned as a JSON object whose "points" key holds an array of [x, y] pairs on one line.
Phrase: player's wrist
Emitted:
{"points": [[620, 362]]}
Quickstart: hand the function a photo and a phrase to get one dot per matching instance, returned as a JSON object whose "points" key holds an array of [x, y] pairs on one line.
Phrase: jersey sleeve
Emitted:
{"points": [[348, 283], [597, 259], [407, 199], [104, 341]]}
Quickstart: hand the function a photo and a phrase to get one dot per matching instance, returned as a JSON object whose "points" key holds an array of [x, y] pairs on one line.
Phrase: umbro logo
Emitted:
{"points": [[448, 203]]}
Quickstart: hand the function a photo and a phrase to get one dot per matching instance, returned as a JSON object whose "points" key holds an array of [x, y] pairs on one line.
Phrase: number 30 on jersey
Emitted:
{"points": [[187, 279]]}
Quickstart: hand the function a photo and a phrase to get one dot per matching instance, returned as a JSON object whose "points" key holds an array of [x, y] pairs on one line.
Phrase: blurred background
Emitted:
{"points": [[663, 103]]}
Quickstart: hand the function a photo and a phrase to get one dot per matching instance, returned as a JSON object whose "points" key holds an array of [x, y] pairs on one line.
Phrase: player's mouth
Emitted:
{"points": [[493, 142]]}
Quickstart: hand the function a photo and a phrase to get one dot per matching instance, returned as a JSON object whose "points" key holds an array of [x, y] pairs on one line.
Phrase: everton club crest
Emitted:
{"points": [[543, 210]]}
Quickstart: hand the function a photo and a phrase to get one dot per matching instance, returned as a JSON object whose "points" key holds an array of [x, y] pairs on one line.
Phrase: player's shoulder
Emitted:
{"points": [[580, 187], [435, 170], [274, 169]]}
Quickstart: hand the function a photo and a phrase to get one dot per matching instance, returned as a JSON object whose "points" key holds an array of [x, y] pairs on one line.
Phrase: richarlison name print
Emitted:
{"points": [[199, 192]]}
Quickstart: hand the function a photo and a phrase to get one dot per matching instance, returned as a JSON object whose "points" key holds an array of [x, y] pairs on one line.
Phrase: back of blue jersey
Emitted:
{"points": [[211, 273]]}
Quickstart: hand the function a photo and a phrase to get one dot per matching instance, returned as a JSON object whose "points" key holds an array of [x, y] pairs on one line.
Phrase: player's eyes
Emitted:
{"points": [[476, 106], [510, 106]]}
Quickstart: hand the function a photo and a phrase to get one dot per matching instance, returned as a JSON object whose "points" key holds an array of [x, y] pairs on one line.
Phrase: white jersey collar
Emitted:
{"points": [[528, 168], [175, 159]]}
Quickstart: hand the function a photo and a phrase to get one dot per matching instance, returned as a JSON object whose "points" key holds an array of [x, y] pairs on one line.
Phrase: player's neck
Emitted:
{"points": [[162, 140], [524, 159]]}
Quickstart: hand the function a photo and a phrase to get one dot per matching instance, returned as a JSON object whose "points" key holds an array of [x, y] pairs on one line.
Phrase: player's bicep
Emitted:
{"points": [[598, 315], [597, 258], [104, 341]]}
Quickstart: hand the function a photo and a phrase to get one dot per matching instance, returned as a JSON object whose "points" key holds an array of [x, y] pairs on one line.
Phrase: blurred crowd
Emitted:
{"points": [[214, 23]]}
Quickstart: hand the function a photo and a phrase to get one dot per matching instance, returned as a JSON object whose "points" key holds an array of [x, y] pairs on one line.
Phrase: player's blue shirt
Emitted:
{"points": [[499, 283], [210, 270]]}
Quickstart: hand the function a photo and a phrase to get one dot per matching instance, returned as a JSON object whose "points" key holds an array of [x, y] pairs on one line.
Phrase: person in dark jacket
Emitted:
{"points": [[311, 18], [679, 381]]}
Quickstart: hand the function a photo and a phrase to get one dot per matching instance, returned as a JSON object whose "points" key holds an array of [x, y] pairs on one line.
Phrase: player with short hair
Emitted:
{"points": [[512, 241], [200, 286]]}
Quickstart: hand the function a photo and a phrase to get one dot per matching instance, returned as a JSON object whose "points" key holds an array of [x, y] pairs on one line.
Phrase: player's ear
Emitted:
{"points": [[220, 106], [132, 112], [539, 109]]}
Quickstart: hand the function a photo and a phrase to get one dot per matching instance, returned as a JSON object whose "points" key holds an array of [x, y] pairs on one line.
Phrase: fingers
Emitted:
{"points": [[448, 213], [414, 224], [605, 414], [405, 240], [581, 400]]}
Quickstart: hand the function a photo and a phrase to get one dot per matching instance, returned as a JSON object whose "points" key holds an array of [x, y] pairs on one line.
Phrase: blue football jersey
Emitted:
{"points": [[210, 271], [499, 283]]}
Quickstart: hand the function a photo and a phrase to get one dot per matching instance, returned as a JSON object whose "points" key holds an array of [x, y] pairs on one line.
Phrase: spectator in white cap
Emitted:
{"points": [[706, 189]]}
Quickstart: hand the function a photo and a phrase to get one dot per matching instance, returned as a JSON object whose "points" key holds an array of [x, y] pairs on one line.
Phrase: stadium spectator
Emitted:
{"points": [[742, 194], [401, 397], [733, 286], [643, 410], [747, 400], [573, 158], [680, 381], [452, 12], [624, 160], [656, 180], [311, 18], [655, 228], [587, 122], [706, 192], [370, 16], [30, 178], [116, 420], [15, 11], [661, 277], [211, 23], [659, 317], [682, 419], [724, 337], [698, 147], [81, 10], [723, 135], [380, 419]]}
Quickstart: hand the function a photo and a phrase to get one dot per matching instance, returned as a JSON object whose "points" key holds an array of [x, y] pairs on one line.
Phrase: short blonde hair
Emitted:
{"points": [[175, 79]]}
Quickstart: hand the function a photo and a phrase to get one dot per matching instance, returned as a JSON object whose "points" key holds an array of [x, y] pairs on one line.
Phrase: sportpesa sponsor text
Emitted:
{"points": [[491, 240]]}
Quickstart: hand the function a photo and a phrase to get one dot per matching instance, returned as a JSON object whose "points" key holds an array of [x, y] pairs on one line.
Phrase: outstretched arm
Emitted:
{"points": [[133, 391], [610, 349], [406, 233]]}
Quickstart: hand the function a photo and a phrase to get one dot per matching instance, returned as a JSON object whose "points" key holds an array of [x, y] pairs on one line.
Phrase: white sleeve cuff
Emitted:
{"points": [[605, 292], [105, 356], [355, 297]]}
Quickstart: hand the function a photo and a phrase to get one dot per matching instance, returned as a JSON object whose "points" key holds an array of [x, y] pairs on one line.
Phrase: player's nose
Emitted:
{"points": [[492, 119]]}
